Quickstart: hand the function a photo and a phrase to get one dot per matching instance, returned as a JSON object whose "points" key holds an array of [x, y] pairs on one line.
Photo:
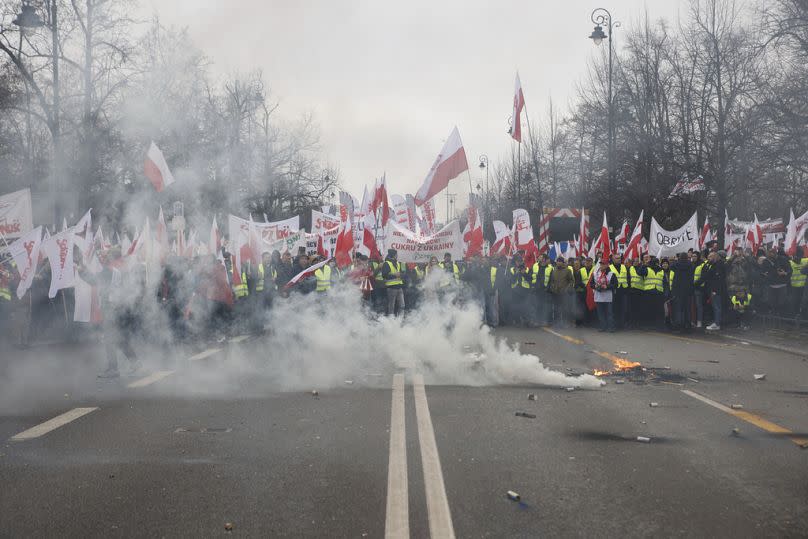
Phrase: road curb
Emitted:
{"points": [[761, 344]]}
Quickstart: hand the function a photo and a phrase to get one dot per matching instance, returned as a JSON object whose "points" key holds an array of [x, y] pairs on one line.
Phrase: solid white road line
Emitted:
{"points": [[206, 353], [150, 379], [52, 424], [397, 523], [705, 400], [437, 505]]}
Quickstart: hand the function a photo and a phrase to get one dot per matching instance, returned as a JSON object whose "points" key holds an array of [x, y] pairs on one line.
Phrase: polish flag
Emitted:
{"points": [[473, 233], [754, 236], [602, 243], [729, 244], [380, 200], [502, 244], [156, 168], [305, 273], [523, 236], [583, 232], [343, 252], [449, 164], [622, 236], [516, 116], [706, 235], [790, 243], [369, 246], [633, 249]]}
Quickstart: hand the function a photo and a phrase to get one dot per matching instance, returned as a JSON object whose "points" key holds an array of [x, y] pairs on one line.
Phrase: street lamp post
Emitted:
{"points": [[28, 19], [600, 17]]}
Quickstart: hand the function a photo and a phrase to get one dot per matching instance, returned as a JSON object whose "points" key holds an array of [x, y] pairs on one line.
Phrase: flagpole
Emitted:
{"points": [[536, 167]]}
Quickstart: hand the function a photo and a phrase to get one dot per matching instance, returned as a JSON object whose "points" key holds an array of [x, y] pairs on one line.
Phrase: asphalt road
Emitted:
{"points": [[186, 446]]}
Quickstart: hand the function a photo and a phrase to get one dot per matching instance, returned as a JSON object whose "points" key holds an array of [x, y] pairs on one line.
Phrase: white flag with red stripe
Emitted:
{"points": [[502, 243], [473, 232], [633, 249], [603, 243], [706, 235], [583, 232], [25, 252], [156, 168], [305, 273], [59, 250], [516, 114], [449, 164]]}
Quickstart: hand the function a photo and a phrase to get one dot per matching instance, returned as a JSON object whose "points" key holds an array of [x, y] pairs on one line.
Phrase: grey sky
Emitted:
{"points": [[388, 80]]}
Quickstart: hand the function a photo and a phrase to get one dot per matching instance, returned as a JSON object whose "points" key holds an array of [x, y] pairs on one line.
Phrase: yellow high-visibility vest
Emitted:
{"points": [[622, 276], [392, 281], [323, 276], [521, 281], [797, 277], [260, 286], [637, 282], [741, 304], [650, 281]]}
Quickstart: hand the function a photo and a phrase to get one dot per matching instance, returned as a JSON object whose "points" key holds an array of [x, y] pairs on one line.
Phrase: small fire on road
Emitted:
{"points": [[619, 365]]}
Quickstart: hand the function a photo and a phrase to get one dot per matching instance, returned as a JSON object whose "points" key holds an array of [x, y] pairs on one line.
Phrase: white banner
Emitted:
{"points": [[16, 217], [320, 222], [669, 243], [414, 248], [59, 250]]}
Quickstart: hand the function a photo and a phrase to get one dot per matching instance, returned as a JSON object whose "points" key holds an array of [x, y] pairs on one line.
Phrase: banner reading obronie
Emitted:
{"points": [[669, 243], [414, 248]]}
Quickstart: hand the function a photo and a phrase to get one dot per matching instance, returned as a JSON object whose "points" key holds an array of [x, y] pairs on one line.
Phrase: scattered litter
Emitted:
{"points": [[228, 526], [667, 367], [67, 396], [112, 476], [572, 458], [644, 422], [760, 376], [349, 382], [692, 379], [513, 496], [623, 352], [619, 381], [531, 396], [315, 393], [525, 414], [528, 342], [644, 439], [570, 389], [744, 342], [736, 431], [713, 361], [736, 406], [654, 404]]}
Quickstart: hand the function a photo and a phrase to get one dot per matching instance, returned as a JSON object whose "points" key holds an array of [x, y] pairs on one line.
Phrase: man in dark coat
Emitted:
{"points": [[682, 291]]}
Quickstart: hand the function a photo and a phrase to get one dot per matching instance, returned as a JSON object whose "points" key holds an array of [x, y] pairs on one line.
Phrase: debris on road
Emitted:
{"points": [[619, 381], [644, 439], [623, 352], [528, 342], [736, 431], [736, 406], [349, 382], [525, 414], [653, 404], [531, 396], [315, 393], [760, 376], [692, 379], [569, 389], [228, 526], [513, 496]]}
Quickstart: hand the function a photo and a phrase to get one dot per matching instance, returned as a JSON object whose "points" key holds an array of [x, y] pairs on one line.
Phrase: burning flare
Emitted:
{"points": [[620, 365]]}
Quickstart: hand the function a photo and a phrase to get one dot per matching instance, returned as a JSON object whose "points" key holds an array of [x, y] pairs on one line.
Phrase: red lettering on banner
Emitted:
{"points": [[62, 252]]}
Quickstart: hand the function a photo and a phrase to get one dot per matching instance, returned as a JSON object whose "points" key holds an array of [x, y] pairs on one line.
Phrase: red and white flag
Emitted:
{"points": [[449, 164], [729, 240], [754, 236], [343, 253], [706, 235], [473, 233], [516, 116], [583, 232], [790, 244], [622, 236], [59, 250], [603, 243], [381, 201], [156, 168], [502, 243], [305, 273], [369, 247], [633, 249], [25, 252]]}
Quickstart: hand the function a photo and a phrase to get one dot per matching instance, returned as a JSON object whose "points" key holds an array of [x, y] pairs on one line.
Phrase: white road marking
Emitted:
{"points": [[397, 522], [437, 505], [52, 424], [206, 353], [239, 338], [705, 400], [150, 379]]}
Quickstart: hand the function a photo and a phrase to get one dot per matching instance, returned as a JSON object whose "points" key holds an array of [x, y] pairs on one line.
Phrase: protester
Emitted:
{"points": [[604, 286]]}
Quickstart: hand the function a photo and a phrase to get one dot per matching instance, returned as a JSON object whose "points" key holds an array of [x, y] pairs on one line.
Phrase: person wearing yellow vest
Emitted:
{"points": [[393, 273], [698, 286], [540, 280], [740, 304], [452, 277], [620, 300], [652, 274], [798, 279], [324, 276], [519, 307]]}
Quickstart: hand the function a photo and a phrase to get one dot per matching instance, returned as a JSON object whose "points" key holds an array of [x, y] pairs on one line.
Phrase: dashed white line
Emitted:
{"points": [[437, 504], [205, 353], [397, 522], [52, 424], [150, 379]]}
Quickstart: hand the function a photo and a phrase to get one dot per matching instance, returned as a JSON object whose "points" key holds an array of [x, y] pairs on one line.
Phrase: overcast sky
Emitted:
{"points": [[387, 81]]}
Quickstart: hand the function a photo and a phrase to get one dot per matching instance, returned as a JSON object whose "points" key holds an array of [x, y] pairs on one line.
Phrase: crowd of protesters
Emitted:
{"points": [[205, 297]]}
